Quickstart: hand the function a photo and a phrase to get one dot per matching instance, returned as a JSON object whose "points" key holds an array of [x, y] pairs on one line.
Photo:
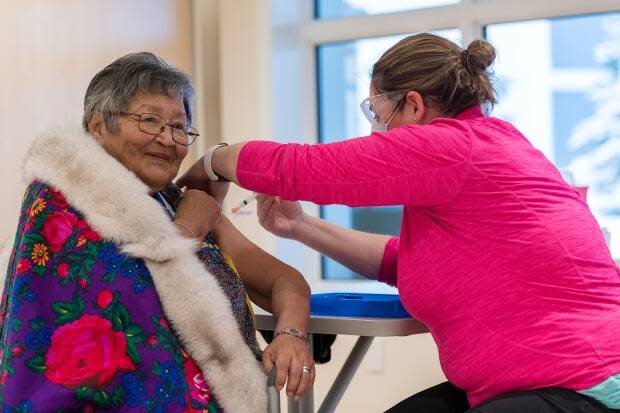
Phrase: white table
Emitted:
{"points": [[366, 328]]}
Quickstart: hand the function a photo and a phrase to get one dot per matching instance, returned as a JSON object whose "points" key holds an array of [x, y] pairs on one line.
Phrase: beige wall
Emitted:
{"points": [[49, 50]]}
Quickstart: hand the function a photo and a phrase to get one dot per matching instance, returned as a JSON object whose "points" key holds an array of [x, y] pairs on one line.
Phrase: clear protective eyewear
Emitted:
{"points": [[383, 106]]}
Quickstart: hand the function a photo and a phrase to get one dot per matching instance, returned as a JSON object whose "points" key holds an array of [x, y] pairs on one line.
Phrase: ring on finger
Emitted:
{"points": [[305, 369]]}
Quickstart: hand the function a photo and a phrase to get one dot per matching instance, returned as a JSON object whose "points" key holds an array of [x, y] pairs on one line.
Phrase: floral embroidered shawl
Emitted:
{"points": [[106, 307]]}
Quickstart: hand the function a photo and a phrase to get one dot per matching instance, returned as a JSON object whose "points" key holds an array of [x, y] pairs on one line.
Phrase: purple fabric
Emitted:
{"points": [[82, 325]]}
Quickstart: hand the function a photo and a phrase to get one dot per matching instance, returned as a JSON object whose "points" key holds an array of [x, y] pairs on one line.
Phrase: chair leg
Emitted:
{"points": [[273, 395]]}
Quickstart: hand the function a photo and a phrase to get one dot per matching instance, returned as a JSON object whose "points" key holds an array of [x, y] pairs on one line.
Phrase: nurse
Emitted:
{"points": [[497, 254]]}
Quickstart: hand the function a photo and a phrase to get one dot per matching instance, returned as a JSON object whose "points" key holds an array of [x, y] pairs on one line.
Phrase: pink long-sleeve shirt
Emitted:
{"points": [[497, 255]]}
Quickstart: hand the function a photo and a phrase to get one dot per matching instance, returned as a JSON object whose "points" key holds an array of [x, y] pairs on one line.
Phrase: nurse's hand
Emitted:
{"points": [[281, 218]]}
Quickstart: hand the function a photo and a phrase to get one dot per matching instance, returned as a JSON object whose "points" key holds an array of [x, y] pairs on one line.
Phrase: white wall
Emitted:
{"points": [[51, 49], [232, 75]]}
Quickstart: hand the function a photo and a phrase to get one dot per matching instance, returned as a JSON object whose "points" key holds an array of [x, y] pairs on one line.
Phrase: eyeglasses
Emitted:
{"points": [[154, 125], [381, 106]]}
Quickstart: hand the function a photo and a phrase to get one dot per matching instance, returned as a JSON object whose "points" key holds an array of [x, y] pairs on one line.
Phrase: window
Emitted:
{"points": [[564, 98], [557, 78], [330, 9], [343, 81]]}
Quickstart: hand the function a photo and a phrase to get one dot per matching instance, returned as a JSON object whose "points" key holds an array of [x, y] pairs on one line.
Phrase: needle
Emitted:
{"points": [[243, 203]]}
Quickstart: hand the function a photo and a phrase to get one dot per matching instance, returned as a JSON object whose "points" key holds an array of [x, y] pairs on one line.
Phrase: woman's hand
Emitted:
{"points": [[197, 213], [281, 218], [196, 178], [218, 190], [290, 355], [281, 290]]}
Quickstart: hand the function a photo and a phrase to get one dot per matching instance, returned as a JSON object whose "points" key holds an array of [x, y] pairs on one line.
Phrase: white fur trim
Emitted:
{"points": [[117, 205]]}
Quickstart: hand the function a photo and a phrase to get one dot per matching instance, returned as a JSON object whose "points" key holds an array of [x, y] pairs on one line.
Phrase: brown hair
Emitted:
{"points": [[447, 77]]}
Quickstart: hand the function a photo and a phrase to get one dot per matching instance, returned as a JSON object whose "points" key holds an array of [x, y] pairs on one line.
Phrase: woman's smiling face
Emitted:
{"points": [[155, 159]]}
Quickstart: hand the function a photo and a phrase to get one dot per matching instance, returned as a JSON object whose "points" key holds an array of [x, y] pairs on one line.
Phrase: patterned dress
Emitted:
{"points": [[82, 327]]}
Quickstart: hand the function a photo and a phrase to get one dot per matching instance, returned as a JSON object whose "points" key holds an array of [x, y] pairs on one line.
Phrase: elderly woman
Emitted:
{"points": [[121, 292]]}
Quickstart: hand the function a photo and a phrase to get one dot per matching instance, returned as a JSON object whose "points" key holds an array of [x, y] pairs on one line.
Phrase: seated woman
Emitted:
{"points": [[108, 305]]}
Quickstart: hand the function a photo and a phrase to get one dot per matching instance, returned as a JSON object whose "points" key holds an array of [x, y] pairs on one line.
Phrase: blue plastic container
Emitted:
{"points": [[357, 305]]}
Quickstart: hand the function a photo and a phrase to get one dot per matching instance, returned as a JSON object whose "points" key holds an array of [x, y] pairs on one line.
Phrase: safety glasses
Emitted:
{"points": [[380, 109]]}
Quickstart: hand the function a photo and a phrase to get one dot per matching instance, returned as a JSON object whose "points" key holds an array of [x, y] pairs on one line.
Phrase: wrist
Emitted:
{"points": [[186, 230], [292, 332], [301, 227], [208, 163]]}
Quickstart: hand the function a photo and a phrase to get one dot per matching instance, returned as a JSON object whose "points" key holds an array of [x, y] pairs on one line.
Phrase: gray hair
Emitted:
{"points": [[113, 88]]}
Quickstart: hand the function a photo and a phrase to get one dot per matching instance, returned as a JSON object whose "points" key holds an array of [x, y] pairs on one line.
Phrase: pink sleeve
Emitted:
{"points": [[412, 165], [389, 263]]}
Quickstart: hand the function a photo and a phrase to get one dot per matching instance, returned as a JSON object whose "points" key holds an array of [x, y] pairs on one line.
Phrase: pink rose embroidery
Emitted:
{"points": [[87, 232], [63, 270], [23, 265], [58, 228], [86, 352], [104, 299], [197, 383]]}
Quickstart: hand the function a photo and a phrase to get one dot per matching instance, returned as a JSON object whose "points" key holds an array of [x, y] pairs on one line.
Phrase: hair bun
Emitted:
{"points": [[478, 56]]}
